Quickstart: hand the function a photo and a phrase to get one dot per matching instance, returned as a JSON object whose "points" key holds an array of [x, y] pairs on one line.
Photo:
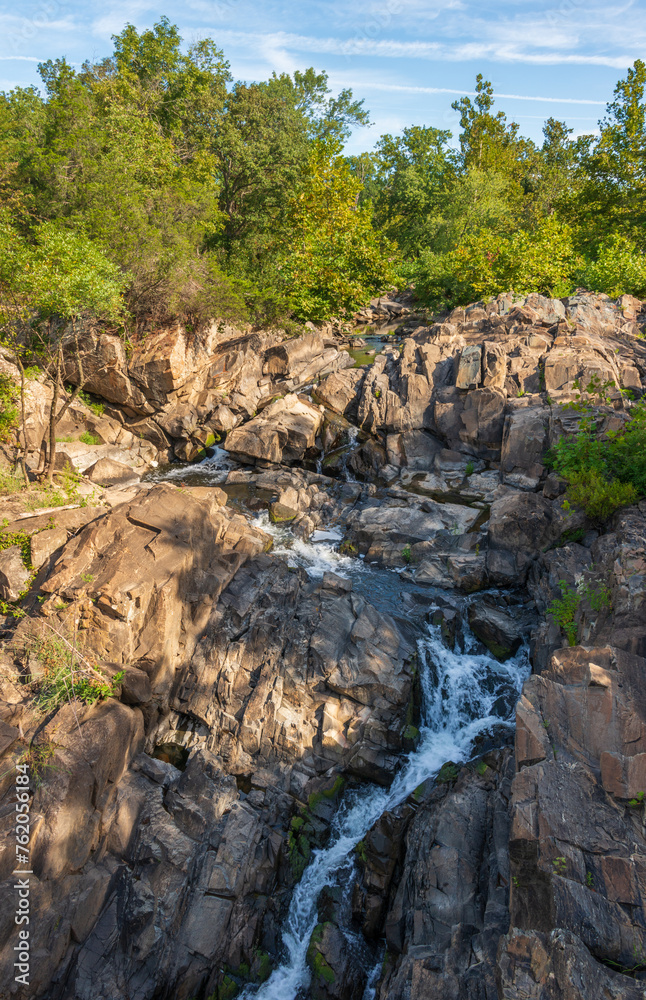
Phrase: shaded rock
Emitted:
{"points": [[334, 974], [13, 573], [450, 907], [501, 629], [520, 525]]}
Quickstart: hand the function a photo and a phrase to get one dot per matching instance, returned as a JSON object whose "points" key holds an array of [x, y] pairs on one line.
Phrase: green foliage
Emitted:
{"points": [[407, 553], [469, 469], [20, 538], [604, 471], [619, 267], [88, 438], [8, 408], [487, 262], [333, 258], [68, 675], [97, 408], [590, 491], [638, 800], [563, 609]]}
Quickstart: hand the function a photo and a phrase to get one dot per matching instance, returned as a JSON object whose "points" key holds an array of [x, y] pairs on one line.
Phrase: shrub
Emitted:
{"points": [[619, 267], [563, 610], [8, 408], [598, 497], [88, 438]]}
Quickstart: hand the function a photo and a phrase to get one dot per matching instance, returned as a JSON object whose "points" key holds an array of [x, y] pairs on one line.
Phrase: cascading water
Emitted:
{"points": [[464, 695]]}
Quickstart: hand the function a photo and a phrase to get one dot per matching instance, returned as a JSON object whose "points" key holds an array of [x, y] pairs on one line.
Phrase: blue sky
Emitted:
{"points": [[409, 59]]}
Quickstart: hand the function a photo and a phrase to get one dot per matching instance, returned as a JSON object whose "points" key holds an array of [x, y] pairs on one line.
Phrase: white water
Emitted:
{"points": [[459, 694], [214, 468], [315, 557]]}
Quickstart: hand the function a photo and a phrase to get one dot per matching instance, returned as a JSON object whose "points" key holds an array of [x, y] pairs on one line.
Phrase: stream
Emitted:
{"points": [[467, 696]]}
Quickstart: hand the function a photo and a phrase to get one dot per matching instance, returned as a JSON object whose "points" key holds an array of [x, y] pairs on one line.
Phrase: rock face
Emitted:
{"points": [[576, 842], [148, 875], [450, 908]]}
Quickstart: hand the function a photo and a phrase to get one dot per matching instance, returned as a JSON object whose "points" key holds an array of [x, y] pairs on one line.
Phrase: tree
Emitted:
{"points": [[45, 288], [614, 192], [333, 259], [412, 172]]}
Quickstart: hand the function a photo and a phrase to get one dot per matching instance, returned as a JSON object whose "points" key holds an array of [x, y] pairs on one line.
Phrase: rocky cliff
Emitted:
{"points": [[321, 765]]}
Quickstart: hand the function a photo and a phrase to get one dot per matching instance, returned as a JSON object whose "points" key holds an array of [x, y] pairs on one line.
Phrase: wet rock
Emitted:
{"points": [[450, 908], [377, 857], [334, 974], [501, 629]]}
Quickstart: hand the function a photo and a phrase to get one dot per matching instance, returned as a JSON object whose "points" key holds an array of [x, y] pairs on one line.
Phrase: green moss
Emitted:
{"points": [[360, 851], [448, 772], [348, 549], [227, 989], [279, 513], [315, 959], [411, 733]]}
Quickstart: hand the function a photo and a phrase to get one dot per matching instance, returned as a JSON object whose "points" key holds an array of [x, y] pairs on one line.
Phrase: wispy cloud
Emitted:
{"points": [[394, 49], [409, 89]]}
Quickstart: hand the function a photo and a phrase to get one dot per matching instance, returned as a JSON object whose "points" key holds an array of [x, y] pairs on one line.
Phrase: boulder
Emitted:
{"points": [[107, 472], [520, 525], [501, 629], [340, 391], [282, 432], [14, 575]]}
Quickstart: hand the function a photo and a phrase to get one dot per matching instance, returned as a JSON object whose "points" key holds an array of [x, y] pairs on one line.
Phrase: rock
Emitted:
{"points": [[283, 359], [523, 447], [573, 858], [340, 391], [469, 374], [283, 432], [334, 974], [14, 575], [45, 543], [108, 473], [520, 525], [502, 630], [450, 907]]}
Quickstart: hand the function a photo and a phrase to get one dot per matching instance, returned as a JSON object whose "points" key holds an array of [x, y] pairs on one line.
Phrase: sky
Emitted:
{"points": [[408, 59]]}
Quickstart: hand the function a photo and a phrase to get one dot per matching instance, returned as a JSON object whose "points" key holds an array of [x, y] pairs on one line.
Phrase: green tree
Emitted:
{"points": [[333, 259]]}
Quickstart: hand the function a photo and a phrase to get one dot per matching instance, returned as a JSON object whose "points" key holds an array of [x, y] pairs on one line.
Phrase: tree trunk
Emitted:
{"points": [[22, 421], [51, 457]]}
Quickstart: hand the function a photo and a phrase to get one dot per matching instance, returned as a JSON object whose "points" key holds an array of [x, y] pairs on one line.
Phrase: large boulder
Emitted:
{"points": [[282, 432], [520, 525]]}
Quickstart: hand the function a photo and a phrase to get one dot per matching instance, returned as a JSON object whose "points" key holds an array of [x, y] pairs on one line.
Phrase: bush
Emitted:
{"points": [[598, 497], [8, 408], [604, 471], [487, 263], [619, 268]]}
